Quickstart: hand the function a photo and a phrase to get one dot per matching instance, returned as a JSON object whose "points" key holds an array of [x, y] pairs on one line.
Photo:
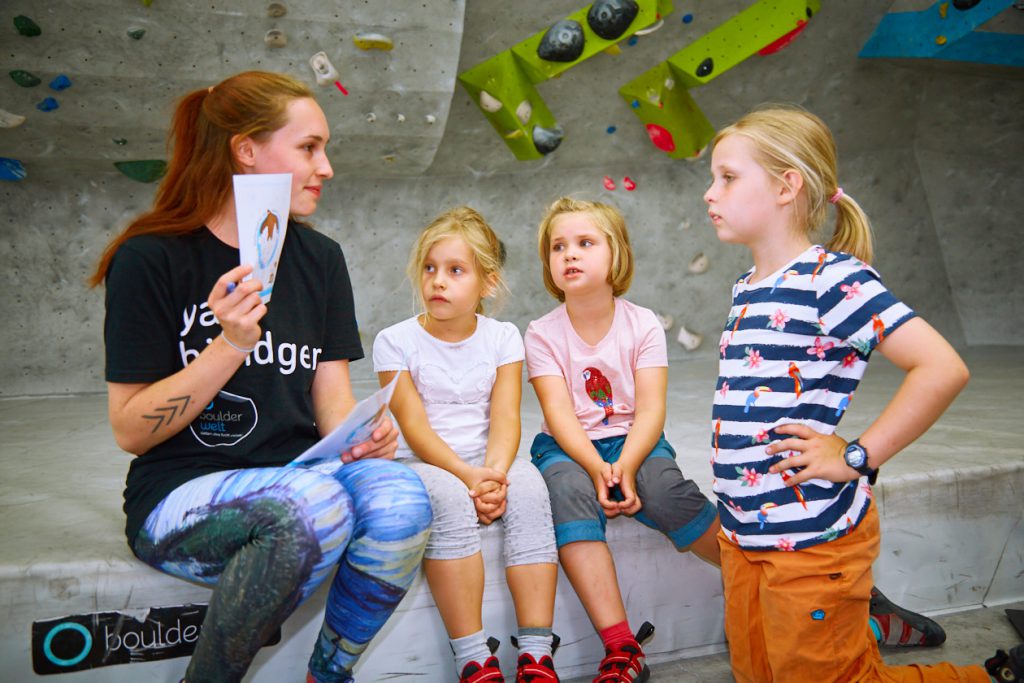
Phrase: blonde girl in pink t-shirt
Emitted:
{"points": [[599, 366]]}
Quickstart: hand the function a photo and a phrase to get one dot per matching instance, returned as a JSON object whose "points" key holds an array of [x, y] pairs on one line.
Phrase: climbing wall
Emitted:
{"points": [[929, 147]]}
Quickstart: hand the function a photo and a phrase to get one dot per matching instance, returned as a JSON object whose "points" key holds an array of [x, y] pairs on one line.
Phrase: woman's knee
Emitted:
{"points": [[388, 498]]}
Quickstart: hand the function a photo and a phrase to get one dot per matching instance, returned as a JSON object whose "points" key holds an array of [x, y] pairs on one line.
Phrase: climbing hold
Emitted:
{"points": [[390, 158], [940, 40], [670, 83], [489, 102], [776, 45], [633, 40], [275, 38], [628, 183], [136, 33], [818, 615], [661, 138], [961, 5], [705, 68], [372, 41], [689, 340], [24, 78], [699, 264], [324, 71], [610, 129], [613, 50], [608, 183], [371, 117], [276, 10], [685, 224], [687, 18], [635, 104], [665, 320], [652, 96], [401, 118], [609, 19], [547, 140], [145, 171], [563, 42], [119, 141], [49, 104], [652, 28], [11, 169], [61, 82], [524, 111], [943, 9], [431, 119], [26, 26], [9, 120], [513, 134]]}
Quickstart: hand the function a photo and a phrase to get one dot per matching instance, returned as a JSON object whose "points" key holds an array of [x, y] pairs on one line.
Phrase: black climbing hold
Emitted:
{"points": [[705, 68], [145, 171], [610, 18], [24, 79], [136, 33], [810, 12], [965, 4], [119, 141], [563, 42], [26, 26], [547, 140]]}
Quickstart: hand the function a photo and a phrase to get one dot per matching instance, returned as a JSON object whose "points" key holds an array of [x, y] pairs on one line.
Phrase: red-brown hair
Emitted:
{"points": [[198, 180]]}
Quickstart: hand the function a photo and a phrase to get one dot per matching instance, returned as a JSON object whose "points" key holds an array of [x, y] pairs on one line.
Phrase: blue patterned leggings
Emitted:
{"points": [[267, 537]]}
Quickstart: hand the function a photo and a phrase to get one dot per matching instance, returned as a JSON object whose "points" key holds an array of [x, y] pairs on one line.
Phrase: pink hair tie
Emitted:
{"points": [[837, 196]]}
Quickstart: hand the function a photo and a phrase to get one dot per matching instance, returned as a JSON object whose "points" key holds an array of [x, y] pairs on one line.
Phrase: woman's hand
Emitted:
{"points": [[820, 456], [383, 443], [239, 310]]}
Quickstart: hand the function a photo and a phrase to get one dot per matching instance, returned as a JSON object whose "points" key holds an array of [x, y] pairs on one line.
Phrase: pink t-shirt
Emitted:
{"points": [[600, 378]]}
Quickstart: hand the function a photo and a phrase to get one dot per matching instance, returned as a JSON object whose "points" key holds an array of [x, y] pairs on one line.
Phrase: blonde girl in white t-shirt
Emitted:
{"points": [[457, 405]]}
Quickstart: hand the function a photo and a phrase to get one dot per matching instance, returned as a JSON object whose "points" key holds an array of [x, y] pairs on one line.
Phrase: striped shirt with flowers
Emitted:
{"points": [[794, 349]]}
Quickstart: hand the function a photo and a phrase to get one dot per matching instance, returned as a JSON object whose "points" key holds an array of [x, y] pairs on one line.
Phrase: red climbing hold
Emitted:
{"points": [[628, 183], [772, 48], [609, 184], [661, 138]]}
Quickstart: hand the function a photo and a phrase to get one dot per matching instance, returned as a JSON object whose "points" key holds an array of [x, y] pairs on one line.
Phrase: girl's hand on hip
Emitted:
{"points": [[819, 455], [383, 443], [239, 310]]}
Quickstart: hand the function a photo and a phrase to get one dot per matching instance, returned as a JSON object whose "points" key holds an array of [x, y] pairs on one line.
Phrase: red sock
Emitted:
{"points": [[616, 635]]}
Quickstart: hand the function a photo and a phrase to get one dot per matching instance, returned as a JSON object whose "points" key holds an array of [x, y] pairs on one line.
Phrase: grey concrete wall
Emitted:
{"points": [[930, 150]]}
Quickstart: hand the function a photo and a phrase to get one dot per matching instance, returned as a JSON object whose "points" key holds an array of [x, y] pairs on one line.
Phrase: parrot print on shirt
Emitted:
{"points": [[599, 389]]}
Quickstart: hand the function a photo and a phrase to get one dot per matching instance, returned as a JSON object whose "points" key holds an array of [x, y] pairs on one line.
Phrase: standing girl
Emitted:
{"points": [[599, 365], [799, 528], [215, 392], [457, 405]]}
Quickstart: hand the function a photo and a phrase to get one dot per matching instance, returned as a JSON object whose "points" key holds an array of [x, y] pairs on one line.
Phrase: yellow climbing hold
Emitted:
{"points": [[512, 135], [372, 41], [613, 50], [943, 9], [941, 40]]}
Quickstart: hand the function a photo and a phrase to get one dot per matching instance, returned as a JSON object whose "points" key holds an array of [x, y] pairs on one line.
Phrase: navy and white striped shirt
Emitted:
{"points": [[793, 351]]}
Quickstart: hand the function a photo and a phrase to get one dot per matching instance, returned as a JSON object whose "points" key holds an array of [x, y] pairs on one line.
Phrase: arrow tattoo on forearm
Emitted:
{"points": [[171, 410]]}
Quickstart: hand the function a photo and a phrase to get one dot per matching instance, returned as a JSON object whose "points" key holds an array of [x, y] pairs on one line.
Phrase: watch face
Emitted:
{"points": [[855, 456]]}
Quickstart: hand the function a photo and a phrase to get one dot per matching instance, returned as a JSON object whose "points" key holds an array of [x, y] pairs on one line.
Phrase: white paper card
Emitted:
{"points": [[365, 417], [262, 203]]}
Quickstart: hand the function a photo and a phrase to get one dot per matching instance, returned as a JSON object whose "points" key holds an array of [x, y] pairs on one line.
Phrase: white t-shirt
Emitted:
{"points": [[600, 378], [454, 379]]}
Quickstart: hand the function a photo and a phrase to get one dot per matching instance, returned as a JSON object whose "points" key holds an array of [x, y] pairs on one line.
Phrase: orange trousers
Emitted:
{"points": [[803, 615]]}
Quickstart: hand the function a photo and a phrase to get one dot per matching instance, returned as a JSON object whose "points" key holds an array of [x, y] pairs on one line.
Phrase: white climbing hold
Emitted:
{"points": [[685, 224], [324, 71], [9, 120], [401, 118], [689, 340], [489, 102], [665, 320], [371, 117], [699, 264], [431, 119], [372, 41], [277, 9], [670, 83], [524, 111]]}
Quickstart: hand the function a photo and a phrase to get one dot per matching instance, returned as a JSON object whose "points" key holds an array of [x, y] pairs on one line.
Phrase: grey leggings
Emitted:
{"points": [[529, 534]]}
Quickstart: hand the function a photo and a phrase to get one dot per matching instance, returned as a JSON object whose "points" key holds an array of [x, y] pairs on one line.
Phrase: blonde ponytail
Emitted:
{"points": [[853, 229]]}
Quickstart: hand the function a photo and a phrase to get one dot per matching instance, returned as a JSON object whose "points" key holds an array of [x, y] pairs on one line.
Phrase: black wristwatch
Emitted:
{"points": [[856, 456]]}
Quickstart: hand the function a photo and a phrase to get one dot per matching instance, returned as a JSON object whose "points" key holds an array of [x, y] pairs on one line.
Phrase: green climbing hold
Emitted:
{"points": [[26, 26], [25, 79], [146, 171], [136, 33]]}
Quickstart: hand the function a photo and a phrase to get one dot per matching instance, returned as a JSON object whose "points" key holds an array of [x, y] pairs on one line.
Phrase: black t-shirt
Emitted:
{"points": [[157, 321]]}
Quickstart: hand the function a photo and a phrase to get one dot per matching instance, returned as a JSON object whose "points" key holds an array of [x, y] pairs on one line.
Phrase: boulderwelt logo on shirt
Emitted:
{"points": [[227, 419]]}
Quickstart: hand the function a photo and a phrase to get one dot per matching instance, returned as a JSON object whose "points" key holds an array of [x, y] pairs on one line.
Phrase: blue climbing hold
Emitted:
{"points": [[818, 615], [633, 40], [635, 104], [11, 169], [611, 129], [687, 18], [61, 82], [49, 104]]}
